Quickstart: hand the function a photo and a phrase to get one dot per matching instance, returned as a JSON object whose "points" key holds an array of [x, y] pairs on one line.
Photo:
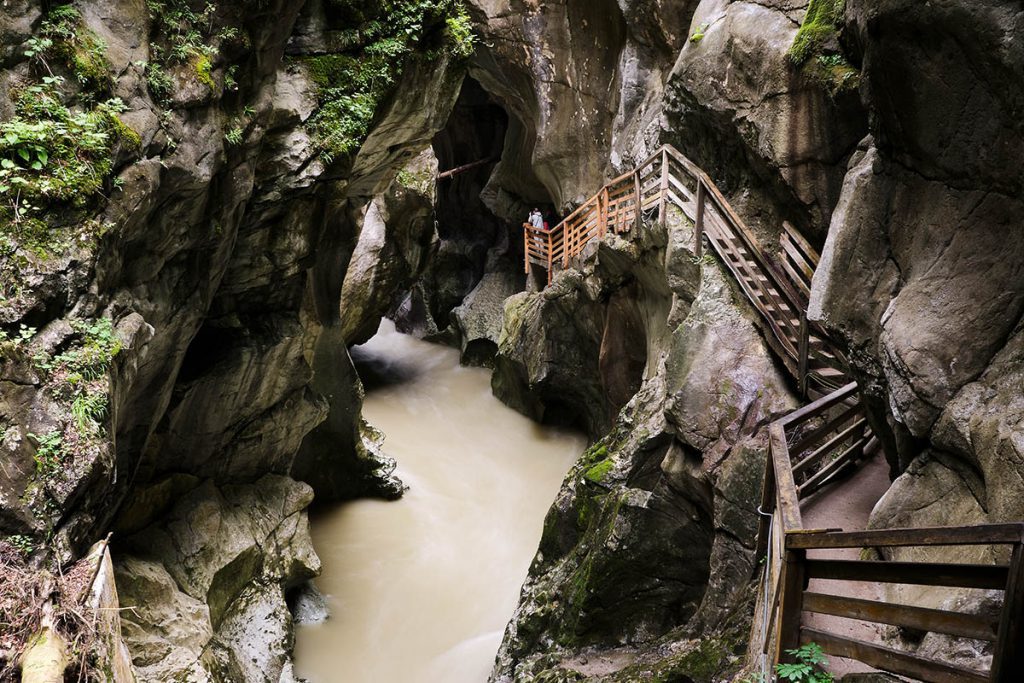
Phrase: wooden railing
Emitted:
{"points": [[779, 292], [808, 448]]}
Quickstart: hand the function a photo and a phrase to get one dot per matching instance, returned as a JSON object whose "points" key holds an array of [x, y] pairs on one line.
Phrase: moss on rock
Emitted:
{"points": [[821, 25]]}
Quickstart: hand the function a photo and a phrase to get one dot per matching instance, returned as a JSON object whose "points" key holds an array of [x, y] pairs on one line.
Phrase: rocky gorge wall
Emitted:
{"points": [[174, 335], [881, 125], [182, 344]]}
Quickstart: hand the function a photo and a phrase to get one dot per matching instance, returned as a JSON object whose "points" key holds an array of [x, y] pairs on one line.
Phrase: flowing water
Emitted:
{"points": [[420, 589]]}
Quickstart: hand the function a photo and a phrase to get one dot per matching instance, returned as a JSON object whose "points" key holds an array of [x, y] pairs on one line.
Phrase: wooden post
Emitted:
{"points": [[802, 352], [526, 249], [1008, 659], [637, 202], [663, 192], [551, 251], [791, 604], [568, 239], [698, 237], [602, 212]]}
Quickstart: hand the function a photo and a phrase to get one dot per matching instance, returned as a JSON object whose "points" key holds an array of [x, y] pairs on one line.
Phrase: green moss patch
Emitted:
{"points": [[63, 37], [821, 25], [815, 48], [598, 472]]}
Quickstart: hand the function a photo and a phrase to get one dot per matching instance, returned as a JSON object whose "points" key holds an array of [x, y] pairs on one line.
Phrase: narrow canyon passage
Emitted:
{"points": [[421, 589]]}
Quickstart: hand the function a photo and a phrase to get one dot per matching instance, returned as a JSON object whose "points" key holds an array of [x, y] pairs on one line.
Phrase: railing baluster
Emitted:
{"points": [[569, 237], [637, 201], [698, 244], [526, 249], [791, 603], [663, 192], [1008, 659], [602, 212], [551, 250], [802, 351]]}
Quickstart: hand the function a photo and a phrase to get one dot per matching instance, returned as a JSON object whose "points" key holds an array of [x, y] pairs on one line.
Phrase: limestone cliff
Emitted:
{"points": [[202, 210], [184, 187]]}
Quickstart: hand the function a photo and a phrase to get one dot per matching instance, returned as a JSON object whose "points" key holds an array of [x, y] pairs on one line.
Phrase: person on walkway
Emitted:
{"points": [[537, 219]]}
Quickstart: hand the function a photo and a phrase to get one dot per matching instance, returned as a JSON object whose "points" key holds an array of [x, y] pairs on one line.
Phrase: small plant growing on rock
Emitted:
{"points": [[49, 452], [389, 34], [809, 666], [22, 543], [698, 35]]}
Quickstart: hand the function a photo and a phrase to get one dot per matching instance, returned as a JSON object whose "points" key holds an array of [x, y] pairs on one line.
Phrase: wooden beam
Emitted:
{"points": [[822, 476], [465, 167], [887, 658], [790, 604], [893, 661], [526, 248], [812, 254], [907, 616], [698, 236], [663, 190], [981, 534], [988, 576], [830, 425], [637, 201], [802, 353], [828, 446], [821, 405]]}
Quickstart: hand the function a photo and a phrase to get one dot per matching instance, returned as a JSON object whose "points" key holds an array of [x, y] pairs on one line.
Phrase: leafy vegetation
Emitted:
{"points": [[182, 35], [57, 151], [22, 543], [78, 377], [809, 667], [48, 151], [233, 136], [816, 48], [63, 37], [49, 450], [698, 35], [352, 85]]}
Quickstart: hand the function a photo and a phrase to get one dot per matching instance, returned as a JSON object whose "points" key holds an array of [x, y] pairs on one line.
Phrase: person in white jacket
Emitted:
{"points": [[537, 219]]}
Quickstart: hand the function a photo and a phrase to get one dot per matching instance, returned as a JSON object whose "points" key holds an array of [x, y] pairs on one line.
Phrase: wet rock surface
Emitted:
{"points": [[205, 587], [242, 263], [654, 527]]}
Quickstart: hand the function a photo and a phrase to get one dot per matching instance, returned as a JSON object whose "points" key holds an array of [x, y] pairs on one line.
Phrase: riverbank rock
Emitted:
{"points": [[478, 319], [204, 588], [664, 501]]}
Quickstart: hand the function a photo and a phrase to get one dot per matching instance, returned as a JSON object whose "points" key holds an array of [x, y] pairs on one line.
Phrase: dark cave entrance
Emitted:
{"points": [[479, 208]]}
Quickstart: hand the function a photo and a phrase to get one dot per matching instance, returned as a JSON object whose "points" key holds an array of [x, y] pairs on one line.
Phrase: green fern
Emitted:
{"points": [[809, 666]]}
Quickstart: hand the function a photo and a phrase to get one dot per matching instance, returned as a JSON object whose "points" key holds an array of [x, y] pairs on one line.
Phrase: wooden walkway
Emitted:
{"points": [[811, 447]]}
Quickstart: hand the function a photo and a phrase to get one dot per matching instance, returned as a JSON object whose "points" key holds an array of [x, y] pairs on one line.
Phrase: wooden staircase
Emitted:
{"points": [[779, 287], [811, 447]]}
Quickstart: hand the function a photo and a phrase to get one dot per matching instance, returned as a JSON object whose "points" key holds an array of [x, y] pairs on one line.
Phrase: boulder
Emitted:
{"points": [[204, 588], [478, 320]]}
